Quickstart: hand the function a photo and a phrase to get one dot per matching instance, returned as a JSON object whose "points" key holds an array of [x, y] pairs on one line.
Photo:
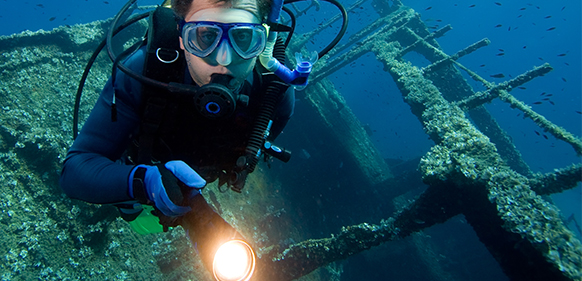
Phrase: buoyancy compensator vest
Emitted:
{"points": [[220, 133]]}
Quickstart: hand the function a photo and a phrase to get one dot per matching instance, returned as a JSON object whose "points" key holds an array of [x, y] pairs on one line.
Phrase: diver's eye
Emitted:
{"points": [[206, 36], [242, 38], [242, 35]]}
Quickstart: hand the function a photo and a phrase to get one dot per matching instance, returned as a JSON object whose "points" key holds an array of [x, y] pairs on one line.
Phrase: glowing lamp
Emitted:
{"points": [[234, 261]]}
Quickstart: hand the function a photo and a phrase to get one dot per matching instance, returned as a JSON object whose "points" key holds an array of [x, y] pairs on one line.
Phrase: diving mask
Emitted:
{"points": [[201, 38]]}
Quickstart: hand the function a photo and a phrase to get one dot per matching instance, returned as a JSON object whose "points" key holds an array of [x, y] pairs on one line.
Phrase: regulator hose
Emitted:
{"points": [[273, 93], [88, 68]]}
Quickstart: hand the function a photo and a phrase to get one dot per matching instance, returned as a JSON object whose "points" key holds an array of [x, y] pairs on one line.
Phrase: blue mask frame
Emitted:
{"points": [[224, 31]]}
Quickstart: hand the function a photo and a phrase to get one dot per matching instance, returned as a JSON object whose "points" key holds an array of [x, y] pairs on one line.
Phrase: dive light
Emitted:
{"points": [[234, 261], [222, 249]]}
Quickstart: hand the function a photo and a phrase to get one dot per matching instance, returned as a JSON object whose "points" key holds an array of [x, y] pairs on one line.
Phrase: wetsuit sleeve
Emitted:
{"points": [[283, 113], [90, 172]]}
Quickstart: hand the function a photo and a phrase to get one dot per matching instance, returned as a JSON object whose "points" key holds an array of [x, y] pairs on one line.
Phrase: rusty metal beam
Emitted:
{"points": [[449, 59], [493, 91], [499, 204], [432, 207]]}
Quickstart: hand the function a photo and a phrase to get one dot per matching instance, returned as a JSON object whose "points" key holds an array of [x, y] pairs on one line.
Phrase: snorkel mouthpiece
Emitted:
{"points": [[298, 77]]}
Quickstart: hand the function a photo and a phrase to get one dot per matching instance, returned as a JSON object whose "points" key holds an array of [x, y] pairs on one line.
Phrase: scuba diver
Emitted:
{"points": [[200, 99], [162, 135]]}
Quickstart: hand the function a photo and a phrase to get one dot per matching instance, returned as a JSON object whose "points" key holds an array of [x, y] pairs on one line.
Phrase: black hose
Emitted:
{"points": [[342, 31], [256, 138], [112, 29], [88, 68], [293, 23], [279, 51]]}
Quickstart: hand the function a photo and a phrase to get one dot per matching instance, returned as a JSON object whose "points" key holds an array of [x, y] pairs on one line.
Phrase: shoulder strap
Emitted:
{"points": [[165, 59], [164, 62]]}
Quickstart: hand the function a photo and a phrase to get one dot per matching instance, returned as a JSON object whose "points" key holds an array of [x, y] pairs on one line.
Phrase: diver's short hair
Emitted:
{"points": [[181, 7]]}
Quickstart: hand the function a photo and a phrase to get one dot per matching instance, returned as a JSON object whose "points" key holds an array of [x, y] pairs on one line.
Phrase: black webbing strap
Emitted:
{"points": [[139, 190], [151, 120], [164, 62]]}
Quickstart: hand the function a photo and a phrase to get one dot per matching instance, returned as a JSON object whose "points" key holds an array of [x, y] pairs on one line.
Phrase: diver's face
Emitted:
{"points": [[223, 60]]}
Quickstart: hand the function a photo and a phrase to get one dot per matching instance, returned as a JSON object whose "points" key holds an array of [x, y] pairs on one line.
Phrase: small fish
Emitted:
{"points": [[547, 17], [52, 19], [540, 58], [564, 79], [524, 47], [105, 2], [537, 133], [543, 94], [537, 102], [545, 137], [509, 28], [546, 99], [521, 88], [499, 25], [497, 3], [563, 8], [551, 28], [430, 7], [551, 102], [523, 9], [40, 5], [498, 75], [549, 95], [439, 20], [501, 50], [472, 6], [519, 16], [482, 65], [500, 54], [561, 55], [578, 111]]}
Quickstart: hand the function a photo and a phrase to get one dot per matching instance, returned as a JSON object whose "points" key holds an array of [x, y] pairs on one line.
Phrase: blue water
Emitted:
{"points": [[528, 33]]}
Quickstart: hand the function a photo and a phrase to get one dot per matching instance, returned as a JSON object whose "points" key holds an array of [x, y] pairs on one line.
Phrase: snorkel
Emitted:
{"points": [[298, 77]]}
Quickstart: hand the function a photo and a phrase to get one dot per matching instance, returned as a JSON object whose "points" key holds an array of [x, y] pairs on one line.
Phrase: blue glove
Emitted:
{"points": [[160, 186]]}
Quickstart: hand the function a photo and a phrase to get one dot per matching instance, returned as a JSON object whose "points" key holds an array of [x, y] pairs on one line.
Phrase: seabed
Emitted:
{"points": [[473, 170]]}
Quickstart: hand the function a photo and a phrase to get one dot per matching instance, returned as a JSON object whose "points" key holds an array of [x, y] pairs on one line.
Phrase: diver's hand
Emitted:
{"points": [[159, 186]]}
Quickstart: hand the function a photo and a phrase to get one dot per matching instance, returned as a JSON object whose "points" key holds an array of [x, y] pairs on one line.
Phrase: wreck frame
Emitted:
{"points": [[472, 159]]}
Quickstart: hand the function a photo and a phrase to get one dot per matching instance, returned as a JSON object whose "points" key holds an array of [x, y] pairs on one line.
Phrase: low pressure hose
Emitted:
{"points": [[275, 89]]}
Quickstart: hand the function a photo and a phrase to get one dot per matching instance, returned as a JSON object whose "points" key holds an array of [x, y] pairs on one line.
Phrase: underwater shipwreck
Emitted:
{"points": [[473, 173]]}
